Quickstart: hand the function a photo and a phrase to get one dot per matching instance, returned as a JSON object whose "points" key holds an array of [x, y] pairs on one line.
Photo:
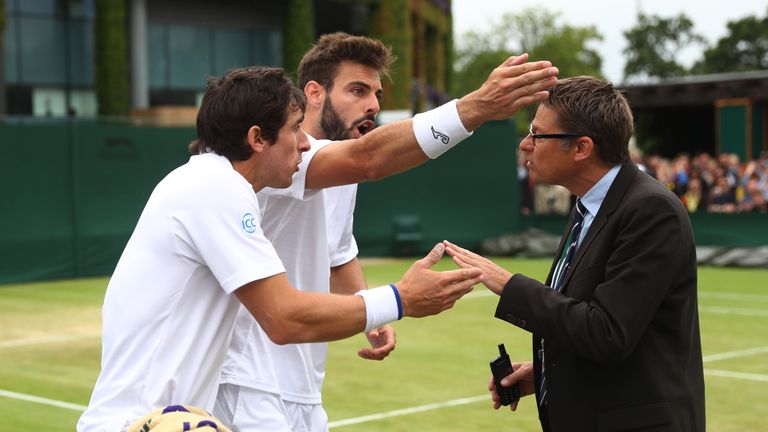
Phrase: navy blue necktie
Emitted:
{"points": [[561, 270], [569, 250]]}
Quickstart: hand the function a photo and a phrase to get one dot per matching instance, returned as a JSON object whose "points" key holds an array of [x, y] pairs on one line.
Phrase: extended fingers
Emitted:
{"points": [[526, 80], [515, 60], [540, 69], [465, 255], [471, 275]]}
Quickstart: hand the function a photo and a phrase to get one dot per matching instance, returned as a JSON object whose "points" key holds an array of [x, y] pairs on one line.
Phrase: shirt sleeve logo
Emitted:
{"points": [[249, 223]]}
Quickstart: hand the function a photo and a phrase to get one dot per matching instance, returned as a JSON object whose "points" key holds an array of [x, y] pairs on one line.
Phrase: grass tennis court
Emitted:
{"points": [[434, 381]]}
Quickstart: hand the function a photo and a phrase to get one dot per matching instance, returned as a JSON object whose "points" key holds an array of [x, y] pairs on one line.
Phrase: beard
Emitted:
{"points": [[334, 127]]}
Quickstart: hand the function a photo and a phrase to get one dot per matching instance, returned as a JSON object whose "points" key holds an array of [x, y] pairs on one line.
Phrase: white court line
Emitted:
{"points": [[428, 407], [41, 400], [47, 339], [734, 296], [411, 410], [734, 311], [356, 420], [715, 372], [739, 375], [735, 354]]}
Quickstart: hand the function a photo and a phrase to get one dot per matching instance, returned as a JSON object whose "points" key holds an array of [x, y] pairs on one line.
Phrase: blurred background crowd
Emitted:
{"points": [[722, 184], [704, 183]]}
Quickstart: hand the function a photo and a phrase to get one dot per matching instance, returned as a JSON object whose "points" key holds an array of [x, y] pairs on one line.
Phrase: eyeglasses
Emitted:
{"points": [[535, 136]]}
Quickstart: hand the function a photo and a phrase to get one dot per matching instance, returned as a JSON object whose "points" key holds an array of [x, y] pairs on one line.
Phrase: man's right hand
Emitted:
{"points": [[510, 87], [522, 376], [424, 291], [495, 277]]}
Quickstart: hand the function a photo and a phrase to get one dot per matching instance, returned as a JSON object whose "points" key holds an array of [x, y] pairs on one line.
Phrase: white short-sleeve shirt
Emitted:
{"points": [[169, 309], [303, 229]]}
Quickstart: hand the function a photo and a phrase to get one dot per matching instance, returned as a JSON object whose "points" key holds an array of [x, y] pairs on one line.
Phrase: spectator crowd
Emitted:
{"points": [[722, 184], [704, 183]]}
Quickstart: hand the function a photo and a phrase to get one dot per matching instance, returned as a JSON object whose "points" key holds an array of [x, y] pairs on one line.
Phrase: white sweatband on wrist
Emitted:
{"points": [[382, 305], [439, 129]]}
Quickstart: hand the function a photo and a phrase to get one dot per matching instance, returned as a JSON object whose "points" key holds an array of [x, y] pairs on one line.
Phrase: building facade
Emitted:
{"points": [[49, 47]]}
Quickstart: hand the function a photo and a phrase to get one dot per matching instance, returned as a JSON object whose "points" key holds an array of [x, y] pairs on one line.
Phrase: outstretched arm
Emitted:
{"points": [[393, 148], [291, 316]]}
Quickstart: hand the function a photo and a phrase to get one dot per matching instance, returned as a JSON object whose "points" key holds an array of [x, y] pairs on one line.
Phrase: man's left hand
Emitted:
{"points": [[382, 342]]}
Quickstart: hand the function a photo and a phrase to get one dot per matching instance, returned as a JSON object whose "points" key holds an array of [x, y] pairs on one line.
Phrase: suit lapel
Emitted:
{"points": [[611, 202]]}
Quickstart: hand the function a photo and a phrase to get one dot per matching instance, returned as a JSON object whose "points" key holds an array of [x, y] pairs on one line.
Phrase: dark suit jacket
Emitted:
{"points": [[623, 351]]}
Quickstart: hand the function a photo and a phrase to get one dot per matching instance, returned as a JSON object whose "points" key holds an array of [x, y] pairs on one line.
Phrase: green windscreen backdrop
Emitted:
{"points": [[467, 194], [73, 191]]}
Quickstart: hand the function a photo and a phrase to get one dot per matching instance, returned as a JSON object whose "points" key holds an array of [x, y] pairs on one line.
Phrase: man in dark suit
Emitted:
{"points": [[615, 327]]}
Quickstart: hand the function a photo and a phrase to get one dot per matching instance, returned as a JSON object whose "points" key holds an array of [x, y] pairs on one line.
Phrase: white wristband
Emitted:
{"points": [[439, 129], [382, 306]]}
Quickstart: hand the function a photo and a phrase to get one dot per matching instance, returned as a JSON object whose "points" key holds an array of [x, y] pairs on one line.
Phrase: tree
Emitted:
{"points": [[535, 31], [654, 43], [744, 48], [2, 57], [298, 32], [111, 58], [390, 24]]}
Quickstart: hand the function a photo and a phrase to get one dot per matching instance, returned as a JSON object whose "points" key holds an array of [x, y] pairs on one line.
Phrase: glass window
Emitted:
{"points": [[81, 9], [49, 102], [231, 49], [81, 53], [83, 103], [42, 45], [190, 56], [158, 56], [267, 48], [47, 7], [11, 63]]}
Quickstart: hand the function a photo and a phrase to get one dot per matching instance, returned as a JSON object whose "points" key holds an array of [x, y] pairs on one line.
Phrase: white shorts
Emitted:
{"points": [[245, 409]]}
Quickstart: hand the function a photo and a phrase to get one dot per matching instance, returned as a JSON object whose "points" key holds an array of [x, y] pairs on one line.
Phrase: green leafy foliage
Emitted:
{"points": [[111, 58], [535, 31], [2, 57], [744, 48], [298, 32], [654, 43], [390, 24]]}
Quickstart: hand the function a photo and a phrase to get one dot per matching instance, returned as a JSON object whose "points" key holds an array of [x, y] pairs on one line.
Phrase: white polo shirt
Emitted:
{"points": [[169, 310], [295, 221]]}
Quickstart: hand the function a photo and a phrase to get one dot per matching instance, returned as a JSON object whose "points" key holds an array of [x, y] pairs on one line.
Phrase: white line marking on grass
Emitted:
{"points": [[41, 400], [411, 410], [47, 339], [734, 311], [735, 354], [739, 375], [734, 296]]}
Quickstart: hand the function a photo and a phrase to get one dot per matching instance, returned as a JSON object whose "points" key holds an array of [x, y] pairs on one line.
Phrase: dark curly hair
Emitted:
{"points": [[258, 95]]}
